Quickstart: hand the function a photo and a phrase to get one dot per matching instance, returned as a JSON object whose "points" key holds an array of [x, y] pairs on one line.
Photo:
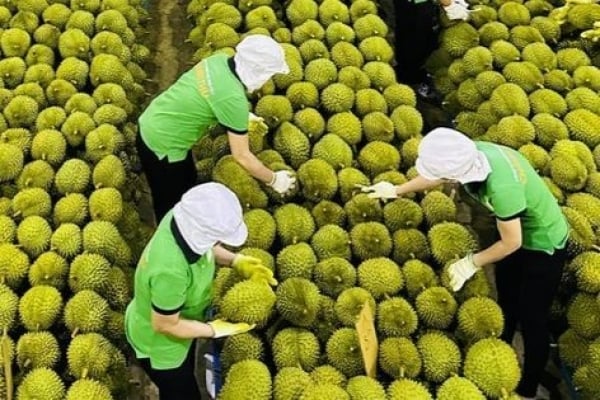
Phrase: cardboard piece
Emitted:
{"points": [[367, 337]]}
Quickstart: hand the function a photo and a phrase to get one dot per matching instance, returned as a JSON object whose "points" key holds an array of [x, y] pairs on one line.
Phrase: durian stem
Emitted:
{"points": [[595, 247], [84, 373], [504, 393], [7, 364], [401, 374], [27, 363], [75, 332]]}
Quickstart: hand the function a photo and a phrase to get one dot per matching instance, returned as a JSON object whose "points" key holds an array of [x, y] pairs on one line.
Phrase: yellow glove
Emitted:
{"points": [[223, 328], [252, 268], [257, 125]]}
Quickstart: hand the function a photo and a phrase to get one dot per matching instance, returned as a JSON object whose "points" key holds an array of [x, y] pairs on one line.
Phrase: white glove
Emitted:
{"points": [[283, 181], [257, 124], [381, 190], [457, 10], [461, 271]]}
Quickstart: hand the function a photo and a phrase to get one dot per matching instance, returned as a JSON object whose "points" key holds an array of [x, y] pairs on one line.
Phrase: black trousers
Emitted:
{"points": [[175, 384], [527, 282], [167, 181], [415, 38]]}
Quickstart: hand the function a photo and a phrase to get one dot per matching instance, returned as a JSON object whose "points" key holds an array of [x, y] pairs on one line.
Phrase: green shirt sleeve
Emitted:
{"points": [[508, 201], [233, 112], [168, 292]]}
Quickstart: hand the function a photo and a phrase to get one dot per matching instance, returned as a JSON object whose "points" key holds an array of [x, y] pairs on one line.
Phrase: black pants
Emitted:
{"points": [[175, 384], [527, 282], [415, 38], [167, 181]]}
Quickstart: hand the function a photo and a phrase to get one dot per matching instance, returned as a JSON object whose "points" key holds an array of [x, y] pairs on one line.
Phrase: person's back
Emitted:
{"points": [[514, 188]]}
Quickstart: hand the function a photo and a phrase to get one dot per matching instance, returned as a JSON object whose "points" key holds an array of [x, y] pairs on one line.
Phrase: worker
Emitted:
{"points": [[213, 92], [173, 284], [530, 252]]}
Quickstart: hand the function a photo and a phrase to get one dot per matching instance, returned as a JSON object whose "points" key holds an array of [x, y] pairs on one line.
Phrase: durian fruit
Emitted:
{"points": [[549, 129], [238, 386], [378, 126], [8, 229], [408, 389], [512, 131], [584, 304], [582, 97], [302, 95], [298, 301], [21, 111], [37, 173], [581, 235], [324, 391], [572, 348], [89, 271], [370, 240], [569, 59], [49, 145], [19, 137], [86, 312], [73, 176], [331, 241], [328, 212], [493, 366], [292, 144], [582, 124], [326, 374], [49, 269], [361, 209], [457, 387], [88, 389], [321, 72], [310, 121], [396, 317], [440, 355], [294, 223], [290, 382], [77, 125], [399, 358], [37, 350], [106, 204], [11, 162], [245, 346], [41, 383], [409, 244], [296, 347], [354, 78], [261, 228], [317, 178], [334, 150], [39, 307], [370, 25], [365, 387], [480, 318], [33, 235], [408, 122], [343, 352], [72, 208], [438, 207], [346, 125], [334, 275], [350, 303], [586, 204], [436, 307], [380, 276], [450, 241], [89, 356], [296, 261], [402, 213], [585, 267], [248, 301], [14, 264], [8, 307], [509, 99]]}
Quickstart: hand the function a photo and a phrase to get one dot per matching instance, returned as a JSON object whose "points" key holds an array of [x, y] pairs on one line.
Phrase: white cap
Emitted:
{"points": [[210, 213], [445, 153], [257, 58]]}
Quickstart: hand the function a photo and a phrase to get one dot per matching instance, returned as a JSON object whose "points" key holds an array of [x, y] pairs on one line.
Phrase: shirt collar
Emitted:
{"points": [[231, 63], [190, 256]]}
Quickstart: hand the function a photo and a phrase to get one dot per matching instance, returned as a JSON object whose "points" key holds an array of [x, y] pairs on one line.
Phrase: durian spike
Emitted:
{"points": [[7, 364]]}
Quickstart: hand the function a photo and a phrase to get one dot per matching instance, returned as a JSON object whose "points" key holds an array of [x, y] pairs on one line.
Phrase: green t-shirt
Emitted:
{"points": [[169, 278], [207, 94], [514, 189]]}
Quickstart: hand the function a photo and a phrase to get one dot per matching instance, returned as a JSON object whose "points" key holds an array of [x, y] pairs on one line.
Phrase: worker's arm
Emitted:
{"points": [[222, 255], [240, 150], [510, 241], [417, 184], [173, 325]]}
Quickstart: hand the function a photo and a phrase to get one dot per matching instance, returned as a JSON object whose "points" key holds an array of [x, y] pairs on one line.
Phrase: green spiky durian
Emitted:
{"points": [[523, 35], [49, 269], [334, 275], [438, 207], [21, 111], [82, 102], [583, 316], [324, 391], [339, 32], [317, 177], [8, 307], [40, 53], [83, 20], [331, 241], [348, 178], [408, 122], [583, 97], [408, 244], [343, 352], [568, 172], [377, 157], [15, 42], [512, 131], [14, 264], [248, 301], [525, 74], [302, 95], [298, 301], [365, 387], [8, 229], [313, 49], [582, 124], [354, 78], [369, 100], [450, 241], [41, 383], [328, 212], [370, 25], [476, 60], [513, 14], [376, 48], [418, 276], [245, 346], [86, 312], [12, 70], [289, 383], [321, 72], [326, 374], [109, 172], [331, 11], [480, 318], [298, 11], [292, 144], [37, 173], [33, 201], [548, 28], [106, 204], [37, 350], [237, 385], [570, 59], [492, 365], [294, 223], [230, 173], [459, 388], [399, 358], [345, 54], [396, 317], [492, 31], [585, 267], [39, 307], [296, 347], [89, 271], [73, 176], [77, 125], [572, 348], [88, 389], [18, 137], [33, 235], [407, 389], [378, 127], [89, 355], [105, 139], [549, 129], [370, 240], [103, 237], [440, 354], [11, 162], [309, 29], [347, 126], [504, 53], [459, 38], [310, 121], [537, 156], [587, 205], [50, 118], [548, 101], [380, 276], [72, 208], [436, 307], [350, 302], [261, 228], [49, 145]]}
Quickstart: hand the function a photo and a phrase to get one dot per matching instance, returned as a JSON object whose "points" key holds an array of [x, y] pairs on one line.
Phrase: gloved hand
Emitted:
{"points": [[461, 271], [257, 124], [252, 268], [381, 190], [223, 328], [283, 181], [458, 9]]}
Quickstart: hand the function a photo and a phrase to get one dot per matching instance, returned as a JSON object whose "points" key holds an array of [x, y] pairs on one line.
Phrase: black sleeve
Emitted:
{"points": [[166, 312], [520, 214], [234, 131]]}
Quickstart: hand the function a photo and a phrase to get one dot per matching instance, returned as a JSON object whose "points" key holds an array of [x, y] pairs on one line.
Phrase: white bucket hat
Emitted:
{"points": [[257, 58], [445, 153], [210, 213]]}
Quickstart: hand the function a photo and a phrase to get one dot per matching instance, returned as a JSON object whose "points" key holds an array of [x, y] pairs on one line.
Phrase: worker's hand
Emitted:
{"points": [[252, 268], [283, 181], [458, 9], [461, 271], [381, 190], [257, 124], [223, 328]]}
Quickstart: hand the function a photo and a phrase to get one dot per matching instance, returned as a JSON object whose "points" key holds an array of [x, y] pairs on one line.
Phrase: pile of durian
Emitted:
{"points": [[70, 232], [340, 119], [526, 75]]}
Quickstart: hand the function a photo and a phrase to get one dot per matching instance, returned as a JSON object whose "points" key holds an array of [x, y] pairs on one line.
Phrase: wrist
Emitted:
{"points": [[273, 178]]}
